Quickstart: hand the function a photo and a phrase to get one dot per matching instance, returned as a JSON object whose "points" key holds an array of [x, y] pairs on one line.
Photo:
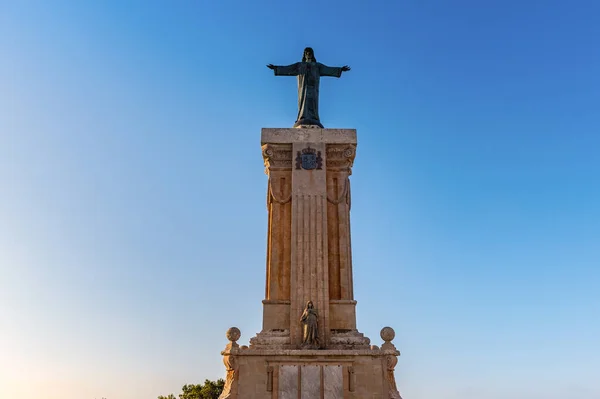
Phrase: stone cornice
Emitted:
{"points": [[303, 135]]}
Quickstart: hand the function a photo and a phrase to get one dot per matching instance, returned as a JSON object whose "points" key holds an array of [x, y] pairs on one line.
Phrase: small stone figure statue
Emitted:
{"points": [[310, 321], [309, 72]]}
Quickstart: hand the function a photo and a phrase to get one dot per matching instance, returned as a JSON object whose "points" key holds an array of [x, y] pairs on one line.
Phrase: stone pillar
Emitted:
{"points": [[309, 258], [278, 167], [309, 253], [340, 158]]}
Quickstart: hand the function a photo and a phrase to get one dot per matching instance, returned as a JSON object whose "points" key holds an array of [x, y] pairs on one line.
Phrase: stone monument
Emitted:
{"points": [[309, 346]]}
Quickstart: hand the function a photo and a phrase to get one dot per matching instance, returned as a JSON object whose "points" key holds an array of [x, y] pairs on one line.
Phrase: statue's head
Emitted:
{"points": [[309, 55], [309, 305]]}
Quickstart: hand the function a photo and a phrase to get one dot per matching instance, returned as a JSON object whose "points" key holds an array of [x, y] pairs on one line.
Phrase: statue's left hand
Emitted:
{"points": [[271, 66], [345, 68]]}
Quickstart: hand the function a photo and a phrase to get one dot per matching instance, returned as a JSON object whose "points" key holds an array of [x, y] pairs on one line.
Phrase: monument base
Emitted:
{"points": [[258, 373], [309, 346], [312, 374]]}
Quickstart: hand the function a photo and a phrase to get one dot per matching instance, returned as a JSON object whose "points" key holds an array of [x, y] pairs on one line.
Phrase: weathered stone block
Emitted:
{"points": [[288, 382], [333, 382]]}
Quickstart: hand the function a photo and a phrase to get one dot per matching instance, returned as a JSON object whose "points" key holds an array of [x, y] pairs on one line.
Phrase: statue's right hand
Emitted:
{"points": [[271, 66]]}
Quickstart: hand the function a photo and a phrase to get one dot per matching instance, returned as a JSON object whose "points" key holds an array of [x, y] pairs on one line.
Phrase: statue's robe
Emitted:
{"points": [[311, 328], [309, 75]]}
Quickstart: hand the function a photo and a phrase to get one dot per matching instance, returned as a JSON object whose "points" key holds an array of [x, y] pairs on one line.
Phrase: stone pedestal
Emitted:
{"points": [[313, 374], [309, 259]]}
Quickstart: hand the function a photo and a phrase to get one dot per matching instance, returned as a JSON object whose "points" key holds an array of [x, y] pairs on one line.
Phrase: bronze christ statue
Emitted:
{"points": [[309, 72]]}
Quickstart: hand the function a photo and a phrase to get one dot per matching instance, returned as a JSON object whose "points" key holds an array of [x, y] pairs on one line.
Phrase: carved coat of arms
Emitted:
{"points": [[308, 159]]}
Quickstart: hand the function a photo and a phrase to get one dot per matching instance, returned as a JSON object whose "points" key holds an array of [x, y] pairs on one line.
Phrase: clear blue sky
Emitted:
{"points": [[132, 195]]}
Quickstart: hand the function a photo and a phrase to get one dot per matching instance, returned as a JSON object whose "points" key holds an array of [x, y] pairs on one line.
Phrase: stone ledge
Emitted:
{"points": [[276, 301], [303, 135], [311, 353], [276, 339], [349, 340]]}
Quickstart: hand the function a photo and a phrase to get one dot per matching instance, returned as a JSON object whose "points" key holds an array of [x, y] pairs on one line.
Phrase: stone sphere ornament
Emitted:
{"points": [[233, 334], [387, 334]]}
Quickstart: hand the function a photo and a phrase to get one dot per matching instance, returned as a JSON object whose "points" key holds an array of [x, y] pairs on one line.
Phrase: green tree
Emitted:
{"points": [[208, 390]]}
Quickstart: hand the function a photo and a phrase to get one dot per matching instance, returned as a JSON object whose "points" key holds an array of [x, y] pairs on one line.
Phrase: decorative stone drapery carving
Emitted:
{"points": [[271, 196], [277, 157], [344, 195]]}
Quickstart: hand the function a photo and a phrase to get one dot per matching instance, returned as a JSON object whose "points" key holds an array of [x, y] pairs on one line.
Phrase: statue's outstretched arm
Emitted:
{"points": [[287, 70], [325, 70]]}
